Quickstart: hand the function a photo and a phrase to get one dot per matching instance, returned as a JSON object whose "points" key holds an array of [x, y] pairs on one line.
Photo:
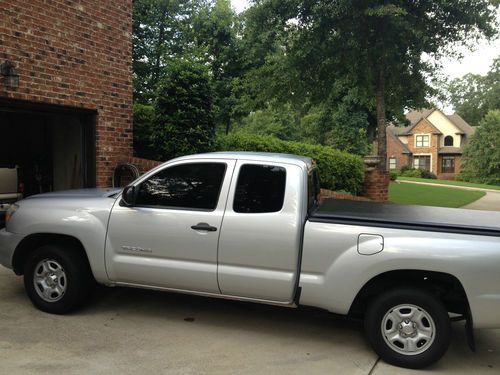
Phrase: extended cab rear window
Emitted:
{"points": [[260, 189]]}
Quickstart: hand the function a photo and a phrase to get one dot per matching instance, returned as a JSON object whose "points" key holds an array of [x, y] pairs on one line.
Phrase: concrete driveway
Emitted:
{"points": [[128, 331], [490, 202]]}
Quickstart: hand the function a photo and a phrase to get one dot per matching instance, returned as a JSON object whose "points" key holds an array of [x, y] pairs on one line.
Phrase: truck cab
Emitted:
{"points": [[217, 223]]}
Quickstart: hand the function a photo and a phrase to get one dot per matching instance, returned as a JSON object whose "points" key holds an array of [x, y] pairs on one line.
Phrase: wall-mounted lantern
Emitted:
{"points": [[9, 74]]}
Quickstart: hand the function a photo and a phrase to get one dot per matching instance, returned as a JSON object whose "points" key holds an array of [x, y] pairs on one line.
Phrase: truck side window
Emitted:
{"points": [[260, 188], [191, 186]]}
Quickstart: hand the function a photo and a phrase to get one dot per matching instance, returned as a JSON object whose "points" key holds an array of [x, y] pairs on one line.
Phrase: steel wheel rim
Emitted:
{"points": [[50, 280], [408, 329]]}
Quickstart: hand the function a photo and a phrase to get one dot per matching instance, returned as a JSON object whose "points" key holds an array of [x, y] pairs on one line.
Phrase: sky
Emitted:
{"points": [[477, 61]]}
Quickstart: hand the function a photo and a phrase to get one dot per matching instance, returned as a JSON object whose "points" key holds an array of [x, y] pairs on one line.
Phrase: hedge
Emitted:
{"points": [[338, 170]]}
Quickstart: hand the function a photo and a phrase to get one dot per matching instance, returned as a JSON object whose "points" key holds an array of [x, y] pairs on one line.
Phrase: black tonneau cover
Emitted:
{"points": [[388, 215]]}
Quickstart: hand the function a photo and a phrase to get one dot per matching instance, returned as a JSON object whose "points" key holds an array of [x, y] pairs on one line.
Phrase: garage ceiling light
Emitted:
{"points": [[9, 74]]}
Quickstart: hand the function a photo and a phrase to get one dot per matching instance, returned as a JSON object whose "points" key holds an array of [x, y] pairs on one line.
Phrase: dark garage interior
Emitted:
{"points": [[53, 147]]}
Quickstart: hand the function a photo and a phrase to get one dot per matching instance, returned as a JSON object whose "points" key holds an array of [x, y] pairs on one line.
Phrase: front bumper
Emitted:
{"points": [[8, 244]]}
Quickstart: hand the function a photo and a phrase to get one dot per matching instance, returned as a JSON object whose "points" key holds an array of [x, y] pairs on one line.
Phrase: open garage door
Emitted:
{"points": [[52, 147]]}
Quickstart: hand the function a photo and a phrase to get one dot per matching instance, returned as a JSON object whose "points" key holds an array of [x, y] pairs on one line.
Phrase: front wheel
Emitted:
{"points": [[57, 278], [408, 327]]}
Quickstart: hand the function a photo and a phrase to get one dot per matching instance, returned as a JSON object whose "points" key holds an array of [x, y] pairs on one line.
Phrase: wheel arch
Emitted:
{"points": [[445, 286], [30, 243]]}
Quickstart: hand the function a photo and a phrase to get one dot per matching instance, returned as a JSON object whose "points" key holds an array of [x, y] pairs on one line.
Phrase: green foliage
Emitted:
{"points": [[411, 172], [160, 30], [481, 159], [474, 95], [428, 175], [338, 170], [277, 121], [405, 168], [394, 176], [305, 47], [215, 32], [144, 117], [184, 122]]}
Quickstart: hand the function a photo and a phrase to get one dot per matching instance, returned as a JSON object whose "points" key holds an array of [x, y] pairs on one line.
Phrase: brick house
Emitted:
{"points": [[66, 91], [433, 141]]}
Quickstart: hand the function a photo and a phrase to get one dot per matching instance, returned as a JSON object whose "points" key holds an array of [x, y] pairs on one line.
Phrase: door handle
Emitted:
{"points": [[204, 226]]}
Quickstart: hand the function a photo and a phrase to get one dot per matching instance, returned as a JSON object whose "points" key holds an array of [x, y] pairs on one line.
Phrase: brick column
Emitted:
{"points": [[376, 185]]}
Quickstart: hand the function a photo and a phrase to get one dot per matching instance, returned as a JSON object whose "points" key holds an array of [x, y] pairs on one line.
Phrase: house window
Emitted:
{"points": [[448, 140], [422, 141], [448, 164], [393, 163], [422, 162]]}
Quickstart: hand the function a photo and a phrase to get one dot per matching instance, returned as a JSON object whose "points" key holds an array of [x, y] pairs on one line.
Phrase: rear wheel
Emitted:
{"points": [[57, 278], [408, 327]]}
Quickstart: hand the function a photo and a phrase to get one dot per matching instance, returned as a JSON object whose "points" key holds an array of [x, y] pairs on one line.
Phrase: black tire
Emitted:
{"points": [[397, 351], [75, 277]]}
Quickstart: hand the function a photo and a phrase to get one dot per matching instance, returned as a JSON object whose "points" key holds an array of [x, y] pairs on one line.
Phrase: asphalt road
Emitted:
{"points": [[129, 331]]}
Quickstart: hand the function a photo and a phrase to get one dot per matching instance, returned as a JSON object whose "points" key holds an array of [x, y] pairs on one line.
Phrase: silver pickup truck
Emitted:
{"points": [[248, 226]]}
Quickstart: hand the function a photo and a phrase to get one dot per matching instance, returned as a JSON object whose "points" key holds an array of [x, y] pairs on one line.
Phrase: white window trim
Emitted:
{"points": [[422, 134], [413, 161], [395, 163]]}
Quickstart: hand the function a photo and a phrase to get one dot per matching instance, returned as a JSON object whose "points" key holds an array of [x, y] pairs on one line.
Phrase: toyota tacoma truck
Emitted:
{"points": [[248, 226]]}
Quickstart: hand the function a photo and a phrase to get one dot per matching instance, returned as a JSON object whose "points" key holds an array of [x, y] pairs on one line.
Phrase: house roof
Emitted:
{"points": [[460, 123], [391, 134], [414, 117]]}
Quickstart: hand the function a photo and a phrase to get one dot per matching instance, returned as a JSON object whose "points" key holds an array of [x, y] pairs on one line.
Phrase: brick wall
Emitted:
{"points": [[376, 185], [325, 194], [144, 165], [75, 53], [395, 150], [425, 127]]}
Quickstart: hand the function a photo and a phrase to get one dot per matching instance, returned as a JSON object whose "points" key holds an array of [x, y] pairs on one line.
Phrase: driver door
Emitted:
{"points": [[168, 238]]}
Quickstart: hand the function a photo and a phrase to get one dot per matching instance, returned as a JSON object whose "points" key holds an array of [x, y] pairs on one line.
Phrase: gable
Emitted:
{"points": [[443, 123], [424, 127]]}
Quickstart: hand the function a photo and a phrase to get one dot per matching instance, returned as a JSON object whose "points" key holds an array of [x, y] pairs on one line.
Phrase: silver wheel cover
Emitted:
{"points": [[49, 280], [408, 329]]}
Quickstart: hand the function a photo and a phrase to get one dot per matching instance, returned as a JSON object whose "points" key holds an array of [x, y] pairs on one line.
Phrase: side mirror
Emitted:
{"points": [[128, 195]]}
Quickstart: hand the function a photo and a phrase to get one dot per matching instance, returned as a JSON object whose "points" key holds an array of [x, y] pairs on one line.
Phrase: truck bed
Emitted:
{"points": [[388, 215]]}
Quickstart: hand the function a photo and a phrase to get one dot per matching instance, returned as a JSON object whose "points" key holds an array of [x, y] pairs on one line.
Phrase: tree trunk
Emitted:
{"points": [[381, 123]]}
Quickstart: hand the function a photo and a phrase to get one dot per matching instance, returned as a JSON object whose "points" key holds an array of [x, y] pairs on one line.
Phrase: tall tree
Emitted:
{"points": [[481, 161], [378, 45], [474, 95], [183, 111], [161, 30], [215, 34]]}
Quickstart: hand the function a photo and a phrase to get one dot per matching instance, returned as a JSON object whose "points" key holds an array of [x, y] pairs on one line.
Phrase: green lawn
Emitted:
{"points": [[450, 182], [425, 195]]}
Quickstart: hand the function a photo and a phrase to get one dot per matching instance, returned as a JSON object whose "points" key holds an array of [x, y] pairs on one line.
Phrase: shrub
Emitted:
{"points": [[411, 172], [428, 174], [394, 176], [338, 170], [405, 168]]}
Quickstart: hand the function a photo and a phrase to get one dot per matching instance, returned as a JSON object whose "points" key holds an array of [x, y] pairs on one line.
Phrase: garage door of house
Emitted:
{"points": [[52, 146]]}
